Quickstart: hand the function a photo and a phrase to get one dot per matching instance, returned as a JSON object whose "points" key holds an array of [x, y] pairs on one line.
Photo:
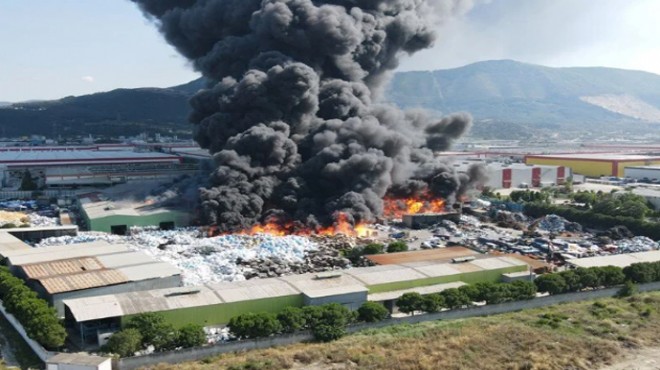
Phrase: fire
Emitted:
{"points": [[342, 225], [397, 207]]}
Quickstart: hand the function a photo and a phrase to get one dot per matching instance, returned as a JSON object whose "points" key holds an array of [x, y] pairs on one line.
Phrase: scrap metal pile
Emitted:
{"points": [[227, 257]]}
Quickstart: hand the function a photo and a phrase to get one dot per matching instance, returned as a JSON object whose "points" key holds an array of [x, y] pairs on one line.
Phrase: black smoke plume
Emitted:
{"points": [[289, 115]]}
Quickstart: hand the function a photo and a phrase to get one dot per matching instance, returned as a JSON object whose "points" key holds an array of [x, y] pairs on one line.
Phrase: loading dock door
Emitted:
{"points": [[119, 229]]}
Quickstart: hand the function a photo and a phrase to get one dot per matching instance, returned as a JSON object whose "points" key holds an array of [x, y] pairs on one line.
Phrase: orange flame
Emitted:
{"points": [[397, 207], [342, 225]]}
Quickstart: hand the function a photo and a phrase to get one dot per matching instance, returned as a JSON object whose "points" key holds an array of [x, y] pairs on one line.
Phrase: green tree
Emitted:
{"points": [[124, 343], [372, 312], [410, 302], [373, 248], [454, 298], [520, 290], [640, 273], [292, 319], [191, 335], [473, 291], [588, 278], [328, 322], [254, 325], [27, 182], [610, 275], [551, 283], [572, 281], [432, 303], [397, 247], [154, 330], [628, 289]]}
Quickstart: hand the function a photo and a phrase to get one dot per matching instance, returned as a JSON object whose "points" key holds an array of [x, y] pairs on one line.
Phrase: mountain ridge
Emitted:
{"points": [[504, 92]]}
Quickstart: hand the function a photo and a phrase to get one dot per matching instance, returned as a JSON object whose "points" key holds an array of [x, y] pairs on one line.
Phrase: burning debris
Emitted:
{"points": [[290, 112]]}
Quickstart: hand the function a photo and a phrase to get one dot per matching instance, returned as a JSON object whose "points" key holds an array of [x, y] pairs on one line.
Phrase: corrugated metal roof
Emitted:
{"points": [[619, 260], [10, 243], [61, 267], [347, 281], [36, 255], [325, 287], [82, 155], [83, 280], [152, 270]]}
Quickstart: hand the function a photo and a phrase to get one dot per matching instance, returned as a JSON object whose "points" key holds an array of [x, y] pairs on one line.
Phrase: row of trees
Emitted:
{"points": [[327, 322], [579, 279], [590, 218], [491, 293], [39, 320], [151, 329], [615, 204]]}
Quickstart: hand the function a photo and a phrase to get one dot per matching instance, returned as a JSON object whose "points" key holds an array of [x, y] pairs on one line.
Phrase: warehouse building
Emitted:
{"points": [[652, 195], [618, 260], [89, 269], [594, 164], [87, 167], [517, 175], [93, 318], [117, 217], [642, 172]]}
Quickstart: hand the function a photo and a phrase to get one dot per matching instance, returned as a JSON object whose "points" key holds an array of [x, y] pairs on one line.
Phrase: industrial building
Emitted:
{"points": [[88, 269], [117, 217], [618, 260], [652, 195], [92, 318], [642, 172], [57, 168], [594, 164], [78, 361], [515, 175]]}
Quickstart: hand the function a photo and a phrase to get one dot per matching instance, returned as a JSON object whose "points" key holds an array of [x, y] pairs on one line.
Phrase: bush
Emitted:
{"points": [[372, 312], [191, 335], [640, 273], [328, 322], [397, 247], [154, 330], [454, 298], [124, 343], [550, 283], [254, 325], [373, 248], [432, 303], [628, 289], [410, 302], [39, 320], [291, 319]]}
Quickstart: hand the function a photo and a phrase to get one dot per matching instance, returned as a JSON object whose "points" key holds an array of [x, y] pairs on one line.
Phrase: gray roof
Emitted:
{"points": [[395, 294], [619, 260], [312, 285], [55, 157]]}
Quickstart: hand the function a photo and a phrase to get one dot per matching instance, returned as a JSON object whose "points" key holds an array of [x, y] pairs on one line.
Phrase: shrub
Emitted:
{"points": [[372, 312], [254, 325], [628, 289], [410, 302], [291, 319], [432, 303], [328, 322], [454, 298], [373, 248], [551, 283], [124, 343], [191, 335], [397, 247], [154, 330], [640, 272]]}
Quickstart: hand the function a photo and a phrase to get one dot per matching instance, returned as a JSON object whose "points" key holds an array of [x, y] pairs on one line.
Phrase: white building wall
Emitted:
{"points": [[549, 174], [494, 177], [640, 173], [521, 175]]}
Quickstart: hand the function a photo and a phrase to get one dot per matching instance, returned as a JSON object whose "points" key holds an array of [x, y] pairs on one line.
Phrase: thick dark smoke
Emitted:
{"points": [[290, 115]]}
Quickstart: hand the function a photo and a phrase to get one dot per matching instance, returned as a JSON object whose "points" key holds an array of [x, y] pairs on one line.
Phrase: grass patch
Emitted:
{"points": [[584, 335]]}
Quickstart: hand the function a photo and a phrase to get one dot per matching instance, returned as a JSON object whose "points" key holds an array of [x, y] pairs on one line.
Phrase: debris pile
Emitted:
{"points": [[228, 257], [557, 224], [636, 244]]}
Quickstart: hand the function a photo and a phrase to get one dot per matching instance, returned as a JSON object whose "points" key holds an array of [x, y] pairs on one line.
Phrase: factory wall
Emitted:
{"points": [[352, 301], [521, 176], [640, 173], [105, 224], [133, 286], [591, 168], [468, 277], [221, 313]]}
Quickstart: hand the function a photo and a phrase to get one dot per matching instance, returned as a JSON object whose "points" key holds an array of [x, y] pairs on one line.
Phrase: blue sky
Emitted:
{"points": [[55, 48]]}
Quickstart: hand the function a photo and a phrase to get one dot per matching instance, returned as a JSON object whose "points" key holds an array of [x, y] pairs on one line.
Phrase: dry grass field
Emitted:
{"points": [[586, 335]]}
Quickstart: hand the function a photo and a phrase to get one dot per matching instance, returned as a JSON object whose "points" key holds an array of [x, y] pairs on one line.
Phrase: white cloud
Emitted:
{"points": [[88, 79]]}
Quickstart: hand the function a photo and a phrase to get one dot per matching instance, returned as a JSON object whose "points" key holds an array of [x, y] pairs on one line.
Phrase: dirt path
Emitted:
{"points": [[643, 359]]}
